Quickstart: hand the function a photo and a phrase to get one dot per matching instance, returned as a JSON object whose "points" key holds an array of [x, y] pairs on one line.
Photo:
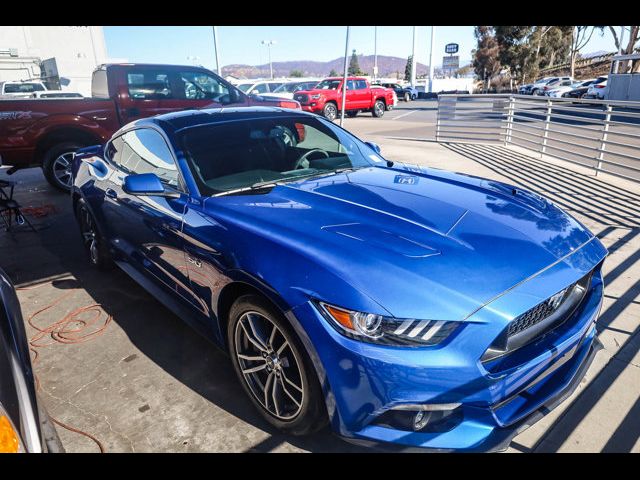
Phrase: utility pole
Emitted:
{"points": [[433, 29], [215, 47], [413, 60], [615, 67], [344, 78], [375, 53], [269, 43]]}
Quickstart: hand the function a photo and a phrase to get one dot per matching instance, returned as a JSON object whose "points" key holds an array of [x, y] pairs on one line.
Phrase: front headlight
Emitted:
{"points": [[316, 96], [369, 327]]}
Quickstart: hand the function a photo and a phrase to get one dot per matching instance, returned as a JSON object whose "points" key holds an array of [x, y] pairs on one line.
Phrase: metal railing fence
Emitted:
{"points": [[603, 135]]}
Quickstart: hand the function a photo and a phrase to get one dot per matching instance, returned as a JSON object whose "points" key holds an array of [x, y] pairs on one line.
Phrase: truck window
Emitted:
{"points": [[195, 85], [260, 88], [351, 84], [360, 84], [144, 151], [148, 84]]}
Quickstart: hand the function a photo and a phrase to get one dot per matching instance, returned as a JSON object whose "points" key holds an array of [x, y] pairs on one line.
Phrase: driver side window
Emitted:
{"points": [[196, 85]]}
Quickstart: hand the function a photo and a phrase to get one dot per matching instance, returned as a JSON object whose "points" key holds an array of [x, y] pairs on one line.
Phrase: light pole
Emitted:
{"points": [[375, 53], [268, 43], [215, 46], [433, 29], [413, 60], [344, 78]]}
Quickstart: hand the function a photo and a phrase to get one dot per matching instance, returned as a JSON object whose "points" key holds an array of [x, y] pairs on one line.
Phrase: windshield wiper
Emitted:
{"points": [[255, 186]]}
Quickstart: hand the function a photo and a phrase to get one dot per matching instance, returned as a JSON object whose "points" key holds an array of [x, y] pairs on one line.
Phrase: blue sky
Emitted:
{"points": [[167, 44]]}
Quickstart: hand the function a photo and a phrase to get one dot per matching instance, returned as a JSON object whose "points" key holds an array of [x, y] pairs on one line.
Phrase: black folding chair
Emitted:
{"points": [[9, 208]]}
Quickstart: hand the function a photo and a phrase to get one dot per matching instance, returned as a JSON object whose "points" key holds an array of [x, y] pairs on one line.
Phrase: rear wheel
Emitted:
{"points": [[378, 109], [57, 164], [330, 111], [93, 243], [273, 368]]}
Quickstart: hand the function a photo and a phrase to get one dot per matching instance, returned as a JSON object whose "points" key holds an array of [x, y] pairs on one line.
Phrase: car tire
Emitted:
{"points": [[414, 96], [378, 109], [94, 244], [352, 113], [282, 364], [330, 111], [56, 164], [407, 96]]}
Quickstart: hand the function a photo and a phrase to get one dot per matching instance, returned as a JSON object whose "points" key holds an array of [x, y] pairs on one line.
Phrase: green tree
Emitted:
{"points": [[354, 66], [296, 74], [486, 59], [333, 73], [407, 69]]}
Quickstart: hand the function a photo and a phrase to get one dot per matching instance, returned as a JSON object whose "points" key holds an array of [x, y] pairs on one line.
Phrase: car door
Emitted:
{"points": [[145, 230], [351, 96], [362, 94], [144, 92]]}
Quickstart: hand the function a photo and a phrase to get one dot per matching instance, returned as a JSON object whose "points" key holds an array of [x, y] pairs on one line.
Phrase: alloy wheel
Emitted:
{"points": [[89, 235], [330, 112], [269, 366], [62, 169]]}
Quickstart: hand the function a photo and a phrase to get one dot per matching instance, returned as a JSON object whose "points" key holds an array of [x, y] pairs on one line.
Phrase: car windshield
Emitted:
{"points": [[289, 87], [328, 85], [242, 155], [23, 88]]}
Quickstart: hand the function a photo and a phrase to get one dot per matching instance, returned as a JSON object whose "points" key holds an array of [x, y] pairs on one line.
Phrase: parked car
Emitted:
{"points": [[553, 85], [578, 92], [25, 426], [18, 89], [525, 89], [326, 98], [36, 133], [598, 89], [55, 94], [397, 303], [286, 90], [405, 93], [259, 88], [538, 87], [561, 90]]}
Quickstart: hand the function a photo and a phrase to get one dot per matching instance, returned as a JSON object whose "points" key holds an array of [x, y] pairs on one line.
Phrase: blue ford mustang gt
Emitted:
{"points": [[406, 306]]}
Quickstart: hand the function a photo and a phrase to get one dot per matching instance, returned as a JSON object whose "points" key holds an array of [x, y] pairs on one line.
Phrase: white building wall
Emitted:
{"points": [[77, 50]]}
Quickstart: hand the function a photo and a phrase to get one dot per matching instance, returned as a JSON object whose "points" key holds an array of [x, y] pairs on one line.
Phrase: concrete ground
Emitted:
{"points": [[146, 382]]}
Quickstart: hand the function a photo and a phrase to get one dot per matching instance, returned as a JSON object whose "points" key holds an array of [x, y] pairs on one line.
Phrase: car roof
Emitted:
{"points": [[184, 119]]}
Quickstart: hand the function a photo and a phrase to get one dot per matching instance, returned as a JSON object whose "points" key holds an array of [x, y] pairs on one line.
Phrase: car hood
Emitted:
{"points": [[403, 234]]}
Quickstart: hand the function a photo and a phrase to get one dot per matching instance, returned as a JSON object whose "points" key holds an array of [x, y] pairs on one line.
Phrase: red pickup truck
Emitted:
{"points": [[326, 98], [47, 132]]}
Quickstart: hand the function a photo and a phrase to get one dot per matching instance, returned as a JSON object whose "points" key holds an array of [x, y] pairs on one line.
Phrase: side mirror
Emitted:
{"points": [[374, 146], [146, 184]]}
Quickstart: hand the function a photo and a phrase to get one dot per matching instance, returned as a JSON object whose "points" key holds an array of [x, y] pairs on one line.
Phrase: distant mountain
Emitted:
{"points": [[387, 67]]}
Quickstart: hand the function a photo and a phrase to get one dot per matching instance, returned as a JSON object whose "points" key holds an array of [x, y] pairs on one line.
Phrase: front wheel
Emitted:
{"points": [[273, 368], [94, 245], [378, 109], [330, 111], [407, 97]]}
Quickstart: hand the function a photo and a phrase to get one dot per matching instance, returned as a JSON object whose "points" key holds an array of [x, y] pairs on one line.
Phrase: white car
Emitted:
{"points": [[286, 90], [21, 88], [598, 89], [539, 86], [260, 87], [559, 91], [55, 94]]}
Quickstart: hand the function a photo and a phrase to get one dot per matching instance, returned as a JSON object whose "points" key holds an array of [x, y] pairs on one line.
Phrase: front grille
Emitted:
{"points": [[535, 315], [539, 320], [301, 97]]}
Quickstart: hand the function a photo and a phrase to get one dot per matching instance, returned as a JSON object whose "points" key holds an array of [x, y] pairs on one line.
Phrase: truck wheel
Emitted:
{"points": [[378, 109], [352, 113], [407, 96], [330, 111], [56, 164]]}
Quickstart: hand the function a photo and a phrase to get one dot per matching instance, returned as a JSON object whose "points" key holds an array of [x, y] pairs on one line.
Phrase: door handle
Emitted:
{"points": [[111, 193]]}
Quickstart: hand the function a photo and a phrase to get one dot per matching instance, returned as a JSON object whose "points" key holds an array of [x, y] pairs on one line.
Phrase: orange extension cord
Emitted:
{"points": [[69, 329]]}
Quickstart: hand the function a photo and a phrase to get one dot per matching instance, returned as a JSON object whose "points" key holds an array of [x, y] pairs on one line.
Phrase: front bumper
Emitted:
{"points": [[364, 381]]}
